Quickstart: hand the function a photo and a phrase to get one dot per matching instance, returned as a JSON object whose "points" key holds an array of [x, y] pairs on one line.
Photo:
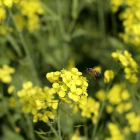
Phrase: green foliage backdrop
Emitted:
{"points": [[39, 37]]}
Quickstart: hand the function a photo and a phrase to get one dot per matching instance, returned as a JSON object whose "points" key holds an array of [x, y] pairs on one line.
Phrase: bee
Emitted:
{"points": [[93, 72]]}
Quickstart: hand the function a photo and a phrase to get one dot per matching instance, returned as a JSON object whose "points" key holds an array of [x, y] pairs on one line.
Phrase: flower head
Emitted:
{"points": [[5, 73], [108, 75], [37, 101], [69, 85], [128, 63]]}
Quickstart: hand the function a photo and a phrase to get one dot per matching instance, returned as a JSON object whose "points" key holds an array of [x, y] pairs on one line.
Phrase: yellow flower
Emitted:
{"points": [[8, 3], [17, 129], [91, 109], [12, 102], [125, 95], [2, 14], [133, 78], [126, 130], [98, 68], [69, 84], [76, 136], [100, 95], [115, 132], [108, 75], [37, 101], [115, 5], [5, 72], [65, 100], [134, 121], [109, 109], [116, 55], [129, 65], [11, 88], [115, 96]]}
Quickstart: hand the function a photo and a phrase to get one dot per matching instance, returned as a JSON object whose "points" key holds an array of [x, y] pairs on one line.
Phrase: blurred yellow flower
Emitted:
{"points": [[108, 75], [115, 5], [31, 9], [115, 96], [130, 17], [126, 130], [90, 110], [76, 136], [11, 88], [109, 109], [2, 14], [17, 129], [100, 95], [98, 68], [133, 121], [115, 133], [125, 95], [37, 101], [5, 72], [128, 63], [12, 102]]}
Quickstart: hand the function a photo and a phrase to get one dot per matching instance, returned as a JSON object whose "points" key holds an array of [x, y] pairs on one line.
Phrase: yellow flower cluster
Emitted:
{"points": [[130, 17], [128, 63], [115, 132], [29, 8], [134, 121], [115, 4], [9, 4], [117, 97], [91, 110], [108, 75], [40, 102], [5, 73], [69, 85], [76, 136]]}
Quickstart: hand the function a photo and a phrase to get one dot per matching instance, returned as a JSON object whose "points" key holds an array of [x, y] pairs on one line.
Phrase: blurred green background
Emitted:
{"points": [[40, 36]]}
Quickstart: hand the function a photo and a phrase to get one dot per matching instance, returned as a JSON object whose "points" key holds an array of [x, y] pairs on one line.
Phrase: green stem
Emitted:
{"points": [[53, 129], [71, 26], [86, 130], [32, 67], [101, 18], [100, 114], [58, 121], [30, 126], [60, 22], [101, 110]]}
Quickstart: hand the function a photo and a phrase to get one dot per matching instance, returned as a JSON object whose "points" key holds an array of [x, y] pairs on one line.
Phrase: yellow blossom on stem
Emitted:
{"points": [[11, 88], [115, 132], [90, 110], [108, 75], [38, 101], [128, 63], [115, 96], [100, 95], [5, 73], [109, 109], [133, 121], [69, 85]]}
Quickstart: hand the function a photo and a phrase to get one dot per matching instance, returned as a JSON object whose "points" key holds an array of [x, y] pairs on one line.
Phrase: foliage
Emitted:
{"points": [[45, 91]]}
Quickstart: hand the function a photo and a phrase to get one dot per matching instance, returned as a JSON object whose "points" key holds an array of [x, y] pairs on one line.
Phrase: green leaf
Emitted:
{"points": [[14, 44]]}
